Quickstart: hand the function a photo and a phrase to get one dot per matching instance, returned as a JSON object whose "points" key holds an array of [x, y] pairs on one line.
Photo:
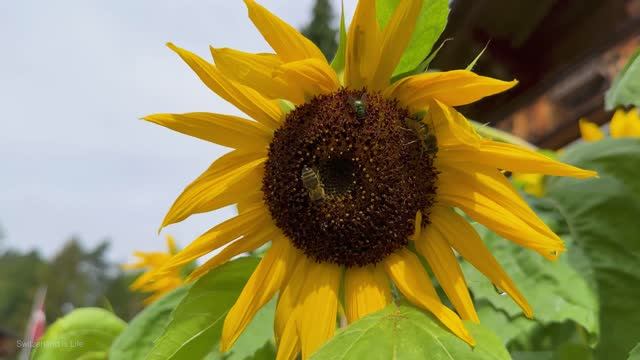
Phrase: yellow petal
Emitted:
{"points": [[220, 235], [245, 244], [444, 264], [463, 237], [450, 127], [228, 180], [453, 88], [366, 291], [248, 100], [289, 297], [319, 299], [476, 179], [395, 38], [256, 71], [289, 346], [363, 46], [265, 281], [404, 268], [309, 78], [225, 130], [459, 144], [417, 225], [286, 41], [532, 184], [253, 200], [171, 245], [498, 207], [625, 124], [590, 131]]}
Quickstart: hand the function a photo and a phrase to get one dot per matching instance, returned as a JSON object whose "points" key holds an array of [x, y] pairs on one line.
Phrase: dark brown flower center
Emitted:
{"points": [[347, 173]]}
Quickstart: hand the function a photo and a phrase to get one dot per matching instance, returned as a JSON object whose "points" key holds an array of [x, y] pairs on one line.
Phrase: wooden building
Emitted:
{"points": [[565, 54]]}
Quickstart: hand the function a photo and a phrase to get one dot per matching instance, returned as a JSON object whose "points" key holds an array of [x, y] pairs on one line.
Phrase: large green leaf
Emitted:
{"points": [[505, 326], [196, 324], [139, 337], [404, 332], [85, 333], [430, 25], [635, 353], [625, 89], [555, 290], [257, 335], [603, 217]]}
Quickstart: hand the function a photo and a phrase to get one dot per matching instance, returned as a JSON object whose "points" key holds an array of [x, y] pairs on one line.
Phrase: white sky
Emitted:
{"points": [[75, 76]]}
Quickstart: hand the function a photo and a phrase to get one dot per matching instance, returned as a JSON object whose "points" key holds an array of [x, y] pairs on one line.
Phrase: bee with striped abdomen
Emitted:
{"points": [[423, 132], [311, 182]]}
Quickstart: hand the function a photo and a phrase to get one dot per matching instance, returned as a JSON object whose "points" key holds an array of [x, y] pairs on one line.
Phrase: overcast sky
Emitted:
{"points": [[75, 76]]}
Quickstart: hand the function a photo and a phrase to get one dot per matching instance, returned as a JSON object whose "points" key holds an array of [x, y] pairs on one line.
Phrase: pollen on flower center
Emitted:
{"points": [[346, 174]]}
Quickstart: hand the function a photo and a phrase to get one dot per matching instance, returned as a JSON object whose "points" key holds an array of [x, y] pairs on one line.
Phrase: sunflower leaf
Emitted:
{"points": [[555, 290], [635, 353], [404, 332], [429, 27], [602, 215], [85, 333], [506, 327], [625, 89], [138, 338], [257, 335], [196, 323]]}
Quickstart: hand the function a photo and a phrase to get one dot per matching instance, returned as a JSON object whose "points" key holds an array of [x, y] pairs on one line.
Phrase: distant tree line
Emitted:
{"points": [[74, 277]]}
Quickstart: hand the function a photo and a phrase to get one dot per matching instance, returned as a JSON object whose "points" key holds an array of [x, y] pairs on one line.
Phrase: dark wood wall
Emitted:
{"points": [[564, 53]]}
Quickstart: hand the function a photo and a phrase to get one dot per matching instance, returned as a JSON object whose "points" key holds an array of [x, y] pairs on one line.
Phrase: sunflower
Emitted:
{"points": [[623, 124], [153, 261], [354, 185]]}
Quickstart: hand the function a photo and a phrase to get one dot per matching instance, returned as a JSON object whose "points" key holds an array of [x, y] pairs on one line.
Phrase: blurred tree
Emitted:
{"points": [[20, 276], [74, 277], [321, 29], [125, 303]]}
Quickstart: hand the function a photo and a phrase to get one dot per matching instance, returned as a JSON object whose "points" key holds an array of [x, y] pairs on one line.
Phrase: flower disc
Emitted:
{"points": [[346, 174]]}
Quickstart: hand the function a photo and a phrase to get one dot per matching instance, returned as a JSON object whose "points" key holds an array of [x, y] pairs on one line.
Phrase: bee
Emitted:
{"points": [[360, 107], [311, 182], [427, 139]]}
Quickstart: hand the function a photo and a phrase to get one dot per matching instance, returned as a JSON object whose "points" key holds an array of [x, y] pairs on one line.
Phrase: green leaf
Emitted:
{"points": [[267, 352], [424, 65], [625, 89], [572, 351], [338, 62], [259, 333], [430, 25], [555, 290], [84, 333], [404, 332], [506, 327], [96, 355], [139, 337], [602, 215], [532, 355], [635, 353], [196, 324]]}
